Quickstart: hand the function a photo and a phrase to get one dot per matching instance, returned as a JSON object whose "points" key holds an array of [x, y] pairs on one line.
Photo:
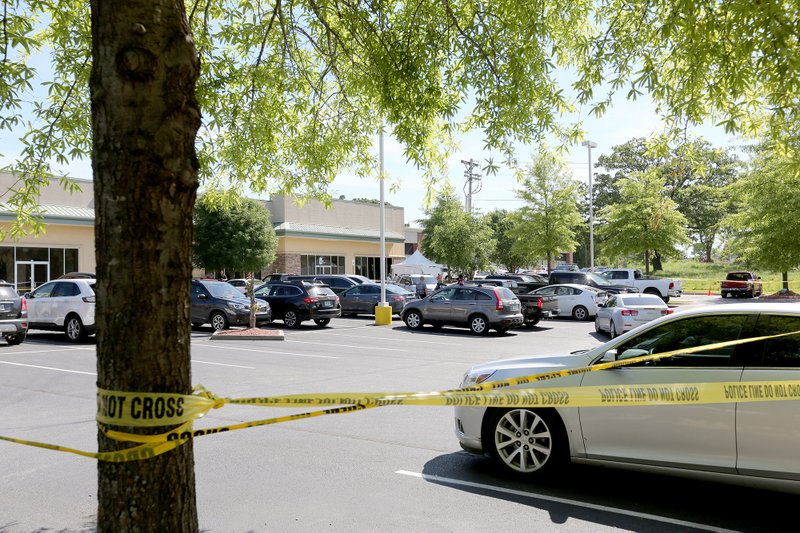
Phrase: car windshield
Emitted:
{"points": [[600, 280], [7, 291], [223, 290]]}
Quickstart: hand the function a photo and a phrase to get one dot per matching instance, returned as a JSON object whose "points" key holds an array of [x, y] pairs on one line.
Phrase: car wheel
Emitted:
{"points": [[597, 324], [413, 320], [74, 329], [322, 322], [218, 321], [291, 319], [748, 294], [579, 312], [478, 325], [527, 442], [723, 294], [612, 330], [533, 322], [13, 340], [666, 299]]}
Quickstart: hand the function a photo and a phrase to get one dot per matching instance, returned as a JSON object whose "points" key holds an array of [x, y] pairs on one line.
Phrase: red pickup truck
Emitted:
{"points": [[741, 283]]}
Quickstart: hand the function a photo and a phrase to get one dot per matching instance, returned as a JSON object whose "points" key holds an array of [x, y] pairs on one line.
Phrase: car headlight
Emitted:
{"points": [[239, 307], [475, 378]]}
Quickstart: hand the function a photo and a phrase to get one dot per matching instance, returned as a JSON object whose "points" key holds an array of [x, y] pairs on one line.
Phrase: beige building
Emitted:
{"points": [[342, 239], [67, 245], [312, 239]]}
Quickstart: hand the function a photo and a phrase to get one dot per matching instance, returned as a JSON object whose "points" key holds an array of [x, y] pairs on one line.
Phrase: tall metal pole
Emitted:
{"points": [[589, 145], [383, 222]]}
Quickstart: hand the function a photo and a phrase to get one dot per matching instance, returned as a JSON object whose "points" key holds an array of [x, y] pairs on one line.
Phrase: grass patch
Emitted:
{"points": [[700, 277]]}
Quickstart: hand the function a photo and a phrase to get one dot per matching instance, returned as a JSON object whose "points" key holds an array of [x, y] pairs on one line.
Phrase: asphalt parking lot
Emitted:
{"points": [[387, 469]]}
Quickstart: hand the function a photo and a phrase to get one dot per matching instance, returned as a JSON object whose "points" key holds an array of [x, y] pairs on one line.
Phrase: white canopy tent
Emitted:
{"points": [[416, 263]]}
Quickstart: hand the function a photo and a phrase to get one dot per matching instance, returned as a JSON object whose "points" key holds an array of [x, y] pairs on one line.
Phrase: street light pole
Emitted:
{"points": [[589, 145]]}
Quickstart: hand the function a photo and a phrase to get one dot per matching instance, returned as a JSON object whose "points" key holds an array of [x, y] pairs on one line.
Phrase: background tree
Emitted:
{"points": [[455, 238], [545, 226], [291, 92], [501, 221], [647, 221], [235, 236], [766, 231]]}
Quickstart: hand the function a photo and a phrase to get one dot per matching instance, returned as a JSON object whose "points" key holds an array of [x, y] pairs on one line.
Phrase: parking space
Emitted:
{"points": [[388, 469]]}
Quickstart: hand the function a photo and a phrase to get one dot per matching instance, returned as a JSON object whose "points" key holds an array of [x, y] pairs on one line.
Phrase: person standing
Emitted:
{"points": [[460, 280], [421, 288]]}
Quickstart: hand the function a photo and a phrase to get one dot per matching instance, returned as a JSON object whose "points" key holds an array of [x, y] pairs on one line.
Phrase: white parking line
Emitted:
{"points": [[272, 352], [555, 499], [348, 346], [64, 349], [222, 364], [405, 339], [49, 368]]}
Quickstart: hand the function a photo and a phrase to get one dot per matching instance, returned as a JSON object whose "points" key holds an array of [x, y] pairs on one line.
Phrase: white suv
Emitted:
{"points": [[66, 305]]}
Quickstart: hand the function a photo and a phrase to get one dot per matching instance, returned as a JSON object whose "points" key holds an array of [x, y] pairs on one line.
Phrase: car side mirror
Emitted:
{"points": [[600, 304], [609, 357], [202, 296], [28, 295]]}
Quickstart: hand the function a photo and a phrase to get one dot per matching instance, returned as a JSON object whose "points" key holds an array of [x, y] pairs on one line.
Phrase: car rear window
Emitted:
{"points": [[642, 300], [320, 291], [505, 293], [6, 292]]}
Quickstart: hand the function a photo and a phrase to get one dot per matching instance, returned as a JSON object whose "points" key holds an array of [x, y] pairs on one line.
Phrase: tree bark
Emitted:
{"points": [[144, 121], [785, 276], [647, 262], [657, 262]]}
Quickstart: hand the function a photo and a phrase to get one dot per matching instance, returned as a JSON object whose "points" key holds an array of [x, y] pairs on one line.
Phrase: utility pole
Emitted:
{"points": [[589, 145], [473, 184]]}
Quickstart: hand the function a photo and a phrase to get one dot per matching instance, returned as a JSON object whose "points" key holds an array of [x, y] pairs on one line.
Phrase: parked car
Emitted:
{"points": [[477, 308], [275, 277], [507, 283], [222, 305], [665, 288], [240, 284], [409, 282], [66, 305], [740, 441], [338, 283], [295, 301], [363, 298], [623, 312], [588, 278], [13, 314], [538, 306], [525, 283], [78, 275], [359, 279], [578, 301], [745, 284], [568, 267]]}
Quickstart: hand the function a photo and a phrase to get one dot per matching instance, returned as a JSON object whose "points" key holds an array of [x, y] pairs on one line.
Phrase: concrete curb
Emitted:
{"points": [[239, 335]]}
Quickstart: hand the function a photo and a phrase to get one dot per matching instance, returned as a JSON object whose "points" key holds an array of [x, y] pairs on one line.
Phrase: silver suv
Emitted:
{"points": [[477, 308]]}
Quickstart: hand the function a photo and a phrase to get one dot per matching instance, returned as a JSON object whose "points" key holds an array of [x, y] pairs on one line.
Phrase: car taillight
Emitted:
{"points": [[667, 312], [89, 299], [629, 312], [397, 298], [671, 285], [309, 300], [540, 303], [498, 302]]}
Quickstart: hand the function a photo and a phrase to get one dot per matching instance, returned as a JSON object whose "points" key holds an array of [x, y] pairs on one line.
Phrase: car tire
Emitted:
{"points": [[218, 321], [14, 340], [748, 294], [597, 324], [723, 294], [413, 320], [612, 330], [291, 319], [533, 322], [322, 322], [478, 324], [527, 442], [579, 312], [73, 328]]}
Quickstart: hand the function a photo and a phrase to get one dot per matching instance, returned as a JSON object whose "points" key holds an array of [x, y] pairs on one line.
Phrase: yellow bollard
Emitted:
{"points": [[383, 314]]}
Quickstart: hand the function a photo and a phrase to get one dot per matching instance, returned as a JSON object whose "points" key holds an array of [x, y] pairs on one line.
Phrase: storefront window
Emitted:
{"points": [[7, 263], [322, 264]]}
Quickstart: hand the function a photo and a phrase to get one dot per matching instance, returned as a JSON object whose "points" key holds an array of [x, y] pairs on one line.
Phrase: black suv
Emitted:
{"points": [[298, 300], [558, 277], [13, 314], [221, 304], [337, 282]]}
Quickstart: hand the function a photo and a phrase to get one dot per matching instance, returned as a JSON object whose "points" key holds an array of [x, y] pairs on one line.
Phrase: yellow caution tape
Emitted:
{"points": [[142, 409]]}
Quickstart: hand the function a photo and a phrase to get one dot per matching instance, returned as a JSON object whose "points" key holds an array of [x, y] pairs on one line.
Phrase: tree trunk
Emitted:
{"points": [[785, 276], [709, 246], [144, 122], [647, 262], [249, 289], [657, 262]]}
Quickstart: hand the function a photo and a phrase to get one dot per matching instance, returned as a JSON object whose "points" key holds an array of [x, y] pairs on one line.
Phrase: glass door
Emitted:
{"points": [[323, 270], [31, 274]]}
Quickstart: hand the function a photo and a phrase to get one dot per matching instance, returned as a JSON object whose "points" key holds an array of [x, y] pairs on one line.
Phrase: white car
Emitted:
{"points": [[740, 441], [578, 301], [66, 305], [623, 312], [240, 284]]}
